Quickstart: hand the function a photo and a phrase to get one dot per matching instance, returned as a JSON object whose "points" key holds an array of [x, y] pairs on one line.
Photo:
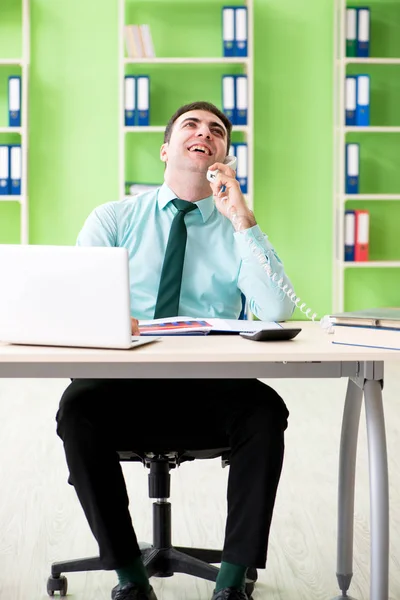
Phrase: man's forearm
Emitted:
{"points": [[242, 221]]}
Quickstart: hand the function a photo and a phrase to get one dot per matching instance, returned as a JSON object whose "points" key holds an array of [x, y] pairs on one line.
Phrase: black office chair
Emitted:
{"points": [[161, 558]]}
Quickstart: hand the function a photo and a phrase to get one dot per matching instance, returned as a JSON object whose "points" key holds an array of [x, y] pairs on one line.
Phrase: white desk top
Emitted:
{"points": [[172, 354]]}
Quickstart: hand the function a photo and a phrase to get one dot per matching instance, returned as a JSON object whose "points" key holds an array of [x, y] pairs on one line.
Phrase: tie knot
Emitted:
{"points": [[183, 205]]}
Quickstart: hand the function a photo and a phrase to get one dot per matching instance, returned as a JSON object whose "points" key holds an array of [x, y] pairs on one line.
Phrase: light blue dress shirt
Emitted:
{"points": [[219, 262]]}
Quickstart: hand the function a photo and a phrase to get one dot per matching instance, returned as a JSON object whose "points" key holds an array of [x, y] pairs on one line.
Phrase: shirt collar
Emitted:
{"points": [[205, 206]]}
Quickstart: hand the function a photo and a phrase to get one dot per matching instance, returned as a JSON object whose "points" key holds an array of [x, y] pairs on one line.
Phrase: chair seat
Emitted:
{"points": [[175, 457]]}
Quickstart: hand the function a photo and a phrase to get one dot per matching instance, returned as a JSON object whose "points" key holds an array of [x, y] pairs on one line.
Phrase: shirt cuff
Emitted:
{"points": [[251, 242]]}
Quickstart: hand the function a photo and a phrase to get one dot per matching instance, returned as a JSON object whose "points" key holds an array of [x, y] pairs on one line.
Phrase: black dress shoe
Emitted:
{"points": [[130, 591], [229, 594]]}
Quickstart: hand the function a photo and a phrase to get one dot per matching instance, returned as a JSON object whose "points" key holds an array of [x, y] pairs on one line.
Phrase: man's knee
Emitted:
{"points": [[77, 401], [270, 408]]}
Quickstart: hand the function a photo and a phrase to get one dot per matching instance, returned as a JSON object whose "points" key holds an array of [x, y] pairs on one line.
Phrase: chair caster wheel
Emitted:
{"points": [[251, 575], [57, 584]]}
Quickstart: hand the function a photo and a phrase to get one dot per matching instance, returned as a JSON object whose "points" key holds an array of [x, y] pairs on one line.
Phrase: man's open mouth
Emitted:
{"points": [[201, 149]]}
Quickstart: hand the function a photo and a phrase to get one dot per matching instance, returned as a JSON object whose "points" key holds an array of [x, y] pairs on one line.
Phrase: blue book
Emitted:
{"points": [[351, 100], [240, 31], [15, 169], [363, 32], [349, 235], [130, 100], [363, 101], [4, 170], [352, 168], [143, 100], [241, 99], [228, 30], [229, 97], [14, 101]]}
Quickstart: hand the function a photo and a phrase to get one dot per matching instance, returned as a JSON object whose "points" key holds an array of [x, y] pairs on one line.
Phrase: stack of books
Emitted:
{"points": [[373, 328], [139, 41], [383, 318]]}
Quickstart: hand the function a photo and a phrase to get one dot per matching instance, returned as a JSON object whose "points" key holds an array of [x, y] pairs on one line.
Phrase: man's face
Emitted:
{"points": [[198, 139]]}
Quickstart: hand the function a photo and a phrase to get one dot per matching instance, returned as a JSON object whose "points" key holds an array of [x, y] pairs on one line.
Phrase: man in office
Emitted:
{"points": [[226, 255]]}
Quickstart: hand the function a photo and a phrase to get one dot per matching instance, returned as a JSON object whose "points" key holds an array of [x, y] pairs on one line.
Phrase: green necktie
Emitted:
{"points": [[169, 291]]}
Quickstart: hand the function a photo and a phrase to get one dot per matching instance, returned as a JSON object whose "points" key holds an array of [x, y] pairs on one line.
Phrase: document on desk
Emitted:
{"points": [[368, 337], [200, 326]]}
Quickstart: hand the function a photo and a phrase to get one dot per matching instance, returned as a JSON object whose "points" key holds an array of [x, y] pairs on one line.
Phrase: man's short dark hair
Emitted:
{"points": [[201, 105]]}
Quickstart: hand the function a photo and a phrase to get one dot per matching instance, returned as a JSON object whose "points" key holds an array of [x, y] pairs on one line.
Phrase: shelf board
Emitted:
{"points": [[14, 198], [11, 61], [372, 263], [371, 197], [161, 128], [370, 129], [371, 61], [191, 60], [11, 130]]}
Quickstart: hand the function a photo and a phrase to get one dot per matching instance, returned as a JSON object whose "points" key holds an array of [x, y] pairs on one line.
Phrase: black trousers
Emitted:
{"points": [[98, 417]]}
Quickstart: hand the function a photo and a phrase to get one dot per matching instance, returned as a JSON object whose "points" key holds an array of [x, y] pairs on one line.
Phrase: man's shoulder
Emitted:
{"points": [[129, 206], [139, 201]]}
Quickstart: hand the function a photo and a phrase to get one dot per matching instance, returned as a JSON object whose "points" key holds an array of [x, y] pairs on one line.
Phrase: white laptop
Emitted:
{"points": [[66, 296]]}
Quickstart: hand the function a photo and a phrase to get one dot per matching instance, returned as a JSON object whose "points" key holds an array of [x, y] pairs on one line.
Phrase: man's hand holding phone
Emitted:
{"points": [[228, 196]]}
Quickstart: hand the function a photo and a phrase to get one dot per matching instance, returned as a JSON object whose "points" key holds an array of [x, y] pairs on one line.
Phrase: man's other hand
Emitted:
{"points": [[135, 326]]}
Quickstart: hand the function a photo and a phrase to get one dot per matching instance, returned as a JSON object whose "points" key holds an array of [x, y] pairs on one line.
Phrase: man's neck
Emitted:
{"points": [[191, 189]]}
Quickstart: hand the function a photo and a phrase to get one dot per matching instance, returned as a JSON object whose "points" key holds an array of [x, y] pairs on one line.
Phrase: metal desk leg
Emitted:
{"points": [[347, 472], [379, 490]]}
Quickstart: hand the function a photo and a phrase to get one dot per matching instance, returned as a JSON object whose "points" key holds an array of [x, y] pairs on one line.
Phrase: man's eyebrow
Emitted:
{"points": [[212, 123]]}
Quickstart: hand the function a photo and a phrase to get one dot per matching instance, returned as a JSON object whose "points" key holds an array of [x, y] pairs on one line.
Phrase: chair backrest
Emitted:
{"points": [[243, 312]]}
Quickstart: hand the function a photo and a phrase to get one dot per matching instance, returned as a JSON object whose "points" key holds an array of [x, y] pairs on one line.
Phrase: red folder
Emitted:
{"points": [[361, 248]]}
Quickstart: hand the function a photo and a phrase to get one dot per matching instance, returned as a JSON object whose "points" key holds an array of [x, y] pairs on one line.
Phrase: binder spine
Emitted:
{"points": [[361, 249], [363, 101], [363, 32], [352, 168], [143, 100], [228, 31], [130, 100], [349, 235], [228, 97], [351, 100], [242, 166], [4, 170], [241, 31], [15, 169], [241, 99], [14, 101], [351, 31]]}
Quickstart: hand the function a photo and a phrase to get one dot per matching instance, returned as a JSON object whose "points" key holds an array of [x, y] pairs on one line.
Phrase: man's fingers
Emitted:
{"points": [[135, 326], [223, 169]]}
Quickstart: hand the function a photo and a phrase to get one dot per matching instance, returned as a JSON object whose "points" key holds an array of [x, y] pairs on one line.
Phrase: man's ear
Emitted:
{"points": [[164, 152]]}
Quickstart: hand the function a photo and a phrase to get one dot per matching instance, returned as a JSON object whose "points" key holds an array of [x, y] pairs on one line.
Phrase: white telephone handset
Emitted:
{"points": [[230, 161]]}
